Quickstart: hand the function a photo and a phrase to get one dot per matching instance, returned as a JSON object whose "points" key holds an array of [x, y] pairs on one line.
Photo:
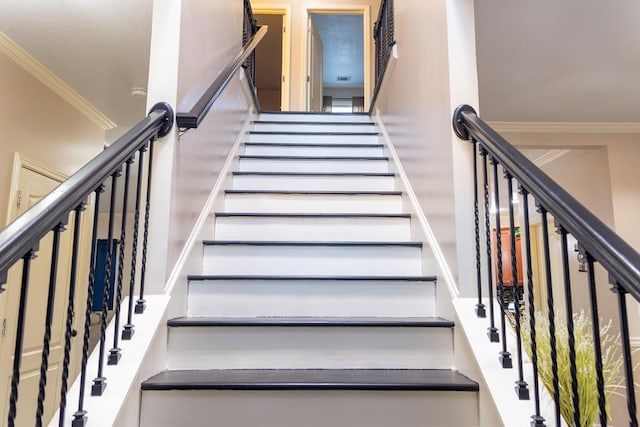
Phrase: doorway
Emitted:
{"points": [[30, 183], [272, 60], [338, 57]]}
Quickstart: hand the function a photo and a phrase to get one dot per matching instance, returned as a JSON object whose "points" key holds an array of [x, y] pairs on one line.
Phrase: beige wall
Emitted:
{"points": [[298, 34], [41, 126]]}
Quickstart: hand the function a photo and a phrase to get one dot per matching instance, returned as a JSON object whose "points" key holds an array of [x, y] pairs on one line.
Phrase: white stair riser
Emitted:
{"points": [[294, 203], [312, 260], [319, 118], [316, 150], [313, 228], [311, 165], [314, 183], [273, 347], [313, 139], [309, 408], [257, 298], [319, 127]]}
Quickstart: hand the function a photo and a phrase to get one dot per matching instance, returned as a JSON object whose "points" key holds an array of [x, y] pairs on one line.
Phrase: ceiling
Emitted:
{"points": [[100, 48], [559, 61], [540, 61], [343, 49]]}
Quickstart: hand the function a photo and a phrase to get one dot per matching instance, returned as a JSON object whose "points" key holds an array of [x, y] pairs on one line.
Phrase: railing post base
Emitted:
{"points": [[480, 310], [99, 386], [114, 356], [79, 419], [127, 332], [492, 333], [505, 360], [537, 421], [140, 306], [522, 390]]}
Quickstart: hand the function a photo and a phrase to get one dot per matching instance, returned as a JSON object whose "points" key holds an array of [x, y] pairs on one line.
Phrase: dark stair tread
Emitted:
{"points": [[235, 277], [346, 174], [309, 321], [313, 113], [312, 379], [310, 215], [318, 145], [314, 133], [313, 158], [319, 192], [293, 122], [309, 244]]}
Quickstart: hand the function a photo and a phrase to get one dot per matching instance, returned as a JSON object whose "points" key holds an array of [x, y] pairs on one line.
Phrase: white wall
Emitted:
{"points": [[429, 80], [192, 42]]}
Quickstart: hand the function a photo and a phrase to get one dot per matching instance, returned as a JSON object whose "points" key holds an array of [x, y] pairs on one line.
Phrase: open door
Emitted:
{"points": [[314, 72], [269, 63]]}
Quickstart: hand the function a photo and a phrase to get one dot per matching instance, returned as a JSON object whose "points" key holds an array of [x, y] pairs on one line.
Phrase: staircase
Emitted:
{"points": [[313, 307]]}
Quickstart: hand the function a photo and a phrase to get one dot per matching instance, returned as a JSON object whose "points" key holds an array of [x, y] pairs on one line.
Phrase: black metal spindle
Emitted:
{"points": [[46, 342], [115, 352], [100, 381], [80, 416], [505, 356], [536, 420], [128, 329], [573, 369], [522, 389], [626, 354], [597, 345], [140, 303], [69, 331], [480, 307], [17, 352], [492, 331], [551, 313]]}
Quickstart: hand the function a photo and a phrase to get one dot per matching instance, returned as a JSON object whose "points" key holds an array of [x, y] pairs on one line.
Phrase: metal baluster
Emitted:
{"points": [[100, 382], [140, 303], [128, 330], [595, 325], [114, 353], [537, 419], [522, 389], [551, 314], [505, 356], [571, 337], [80, 416], [69, 331], [492, 330], [626, 353], [46, 342], [17, 352], [480, 308]]}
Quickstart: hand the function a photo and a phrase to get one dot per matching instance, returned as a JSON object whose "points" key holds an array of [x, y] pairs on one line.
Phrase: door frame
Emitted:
{"points": [[347, 9], [285, 11]]}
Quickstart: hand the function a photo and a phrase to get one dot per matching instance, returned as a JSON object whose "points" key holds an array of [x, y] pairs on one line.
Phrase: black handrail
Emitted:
{"points": [[616, 255], [383, 36], [19, 236], [192, 118]]}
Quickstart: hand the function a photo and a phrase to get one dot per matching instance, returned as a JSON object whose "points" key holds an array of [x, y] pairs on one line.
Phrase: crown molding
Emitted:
{"points": [[566, 127], [42, 73], [549, 157]]}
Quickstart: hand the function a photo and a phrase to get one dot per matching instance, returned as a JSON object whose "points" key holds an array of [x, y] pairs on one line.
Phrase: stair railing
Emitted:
{"points": [[251, 36], [597, 243], [383, 36], [20, 242]]}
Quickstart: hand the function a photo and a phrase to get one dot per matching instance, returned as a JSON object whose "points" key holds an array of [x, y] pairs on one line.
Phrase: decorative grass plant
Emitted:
{"points": [[585, 363]]}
